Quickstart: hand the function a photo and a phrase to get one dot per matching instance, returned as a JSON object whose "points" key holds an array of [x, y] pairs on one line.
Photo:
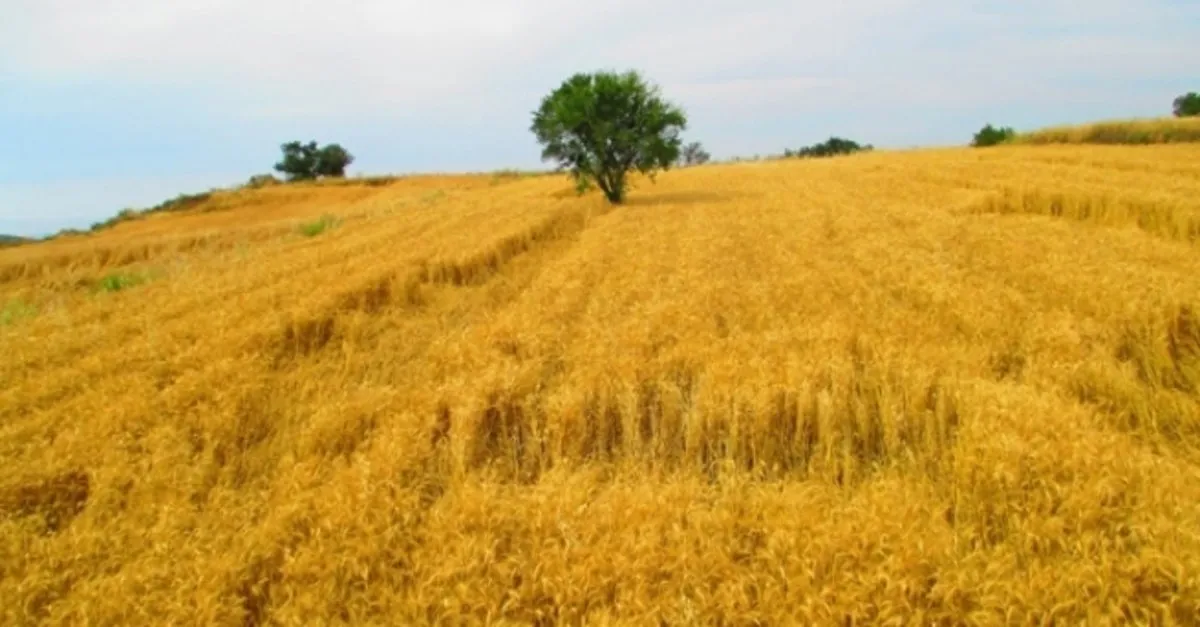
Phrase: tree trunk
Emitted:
{"points": [[613, 186], [616, 186]]}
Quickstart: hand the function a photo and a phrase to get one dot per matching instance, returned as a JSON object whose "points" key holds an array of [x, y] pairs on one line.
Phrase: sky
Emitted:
{"points": [[106, 104]]}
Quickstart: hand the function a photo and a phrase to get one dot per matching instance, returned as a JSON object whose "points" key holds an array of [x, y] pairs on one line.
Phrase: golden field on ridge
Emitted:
{"points": [[931, 387]]}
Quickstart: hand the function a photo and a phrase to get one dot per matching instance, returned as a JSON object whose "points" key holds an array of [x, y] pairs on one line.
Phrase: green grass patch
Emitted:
{"points": [[119, 281], [16, 310], [319, 226]]}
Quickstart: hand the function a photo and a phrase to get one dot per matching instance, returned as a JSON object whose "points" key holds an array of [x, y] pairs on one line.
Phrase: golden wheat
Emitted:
{"points": [[1137, 131], [943, 386]]}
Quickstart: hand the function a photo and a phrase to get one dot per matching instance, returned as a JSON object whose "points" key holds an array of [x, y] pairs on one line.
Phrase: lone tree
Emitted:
{"points": [[601, 126], [307, 162], [990, 136], [1187, 105], [694, 154]]}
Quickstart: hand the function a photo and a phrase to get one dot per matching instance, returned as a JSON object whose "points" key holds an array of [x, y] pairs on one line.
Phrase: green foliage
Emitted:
{"points": [[831, 147], [694, 154], [299, 161], [319, 226], [15, 310], [991, 136], [306, 162], [1187, 105], [118, 281], [601, 126]]}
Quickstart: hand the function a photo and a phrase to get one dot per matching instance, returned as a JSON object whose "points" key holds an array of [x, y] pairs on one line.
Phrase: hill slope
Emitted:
{"points": [[1136, 131], [939, 385]]}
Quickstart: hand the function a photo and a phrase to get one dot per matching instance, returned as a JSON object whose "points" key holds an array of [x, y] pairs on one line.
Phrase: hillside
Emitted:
{"points": [[1137, 131], [942, 385]]}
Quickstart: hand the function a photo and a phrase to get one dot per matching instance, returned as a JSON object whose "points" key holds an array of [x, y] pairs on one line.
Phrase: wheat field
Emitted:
{"points": [[1133, 131], [930, 387]]}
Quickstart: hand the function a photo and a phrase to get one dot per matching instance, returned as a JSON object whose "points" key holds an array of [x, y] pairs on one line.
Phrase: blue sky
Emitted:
{"points": [[106, 104]]}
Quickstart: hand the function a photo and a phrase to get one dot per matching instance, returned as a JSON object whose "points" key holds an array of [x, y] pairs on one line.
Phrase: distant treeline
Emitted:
{"points": [[12, 240], [831, 147]]}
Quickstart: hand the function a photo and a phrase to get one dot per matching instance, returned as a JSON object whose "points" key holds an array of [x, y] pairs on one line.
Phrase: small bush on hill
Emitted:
{"points": [[831, 147], [991, 136]]}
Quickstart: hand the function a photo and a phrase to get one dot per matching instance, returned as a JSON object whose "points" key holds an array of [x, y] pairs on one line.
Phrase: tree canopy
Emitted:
{"points": [[601, 126], [1187, 105], [305, 161], [991, 135], [829, 148]]}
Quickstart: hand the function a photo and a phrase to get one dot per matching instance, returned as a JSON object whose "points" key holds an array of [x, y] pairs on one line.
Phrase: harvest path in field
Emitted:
{"points": [[941, 384]]}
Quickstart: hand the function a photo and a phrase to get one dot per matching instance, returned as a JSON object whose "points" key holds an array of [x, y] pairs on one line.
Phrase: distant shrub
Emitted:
{"points": [[693, 154], [1187, 105], [319, 226], [261, 180], [305, 161], [832, 147], [992, 136]]}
